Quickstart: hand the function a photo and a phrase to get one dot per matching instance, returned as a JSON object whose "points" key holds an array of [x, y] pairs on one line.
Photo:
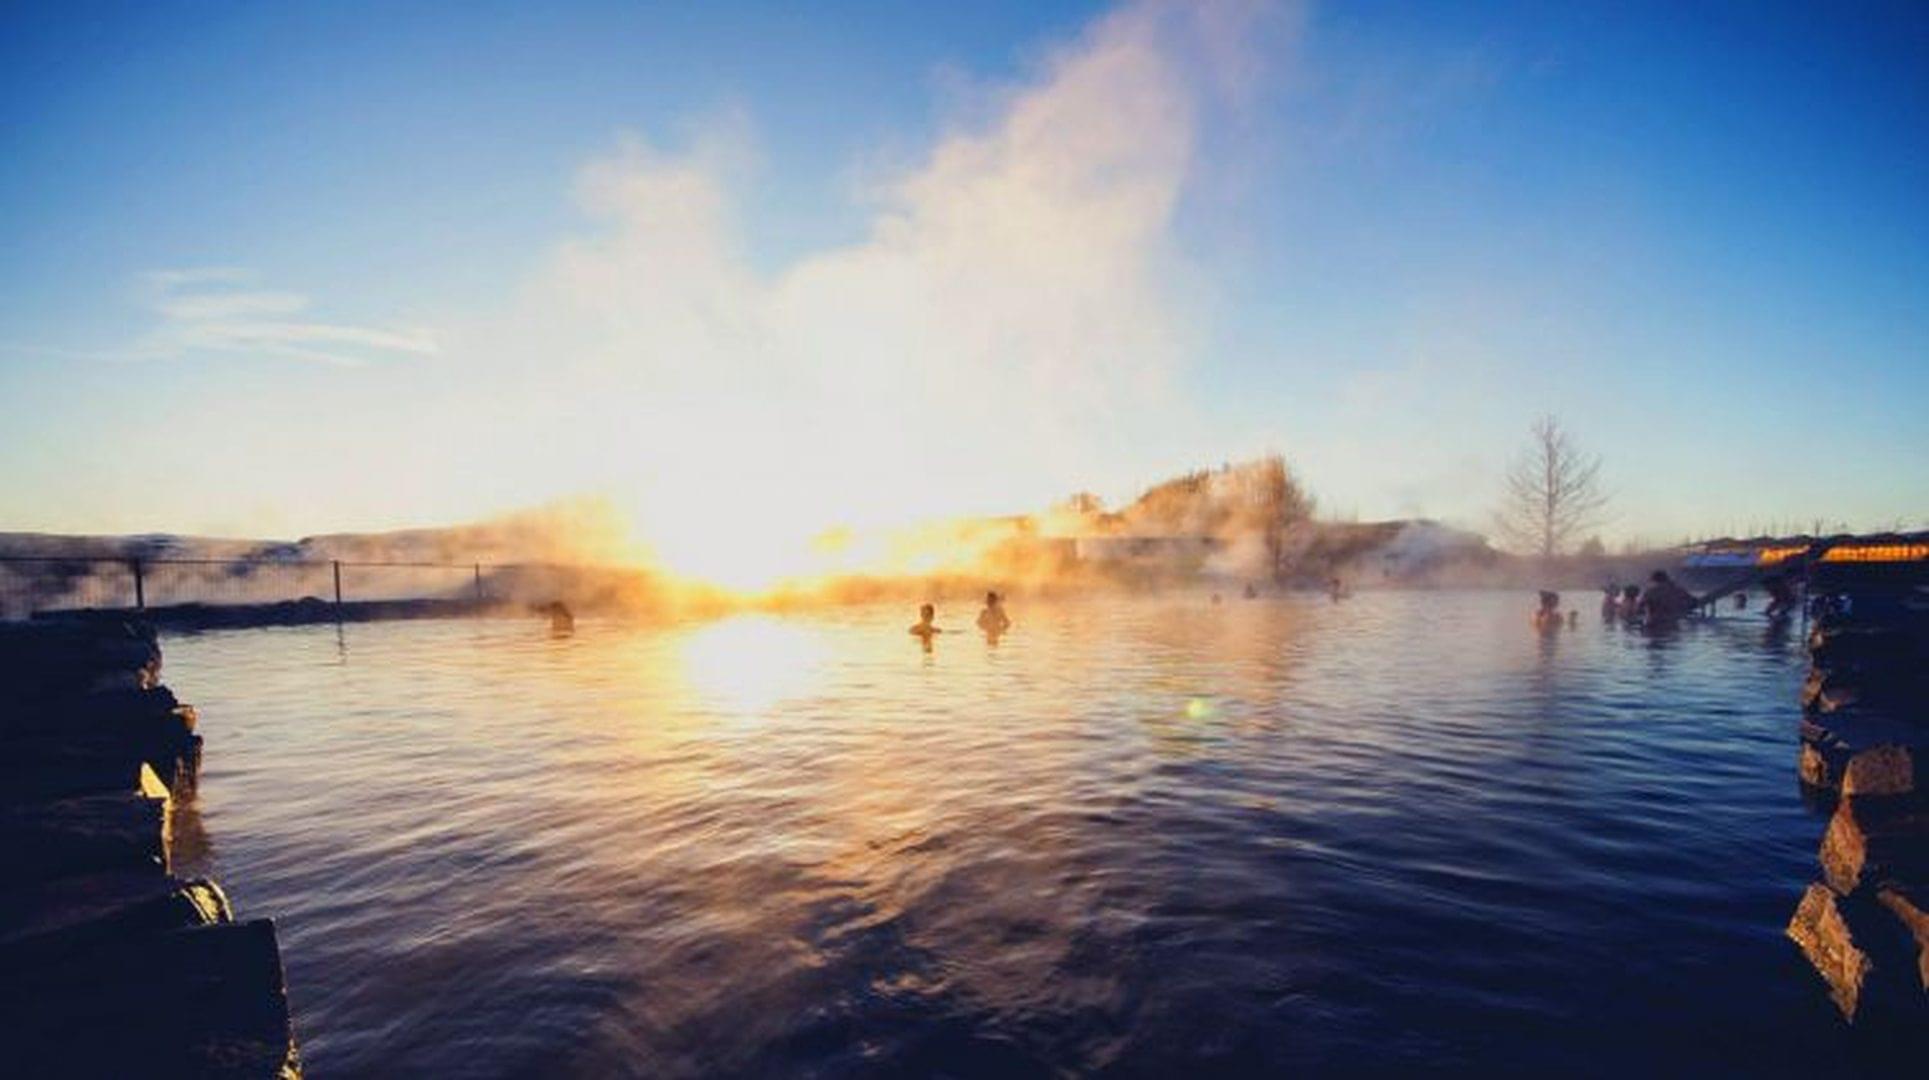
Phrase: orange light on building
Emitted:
{"points": [[1877, 553], [1771, 556]]}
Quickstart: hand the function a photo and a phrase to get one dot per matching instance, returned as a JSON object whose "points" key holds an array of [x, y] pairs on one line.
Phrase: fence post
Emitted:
{"points": [[140, 586], [478, 570], [337, 563]]}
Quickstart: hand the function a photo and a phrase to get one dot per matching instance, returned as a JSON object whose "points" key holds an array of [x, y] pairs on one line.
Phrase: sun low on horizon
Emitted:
{"points": [[932, 265], [894, 540]]}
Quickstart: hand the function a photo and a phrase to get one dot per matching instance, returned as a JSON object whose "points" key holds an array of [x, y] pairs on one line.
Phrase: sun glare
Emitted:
{"points": [[750, 664]]}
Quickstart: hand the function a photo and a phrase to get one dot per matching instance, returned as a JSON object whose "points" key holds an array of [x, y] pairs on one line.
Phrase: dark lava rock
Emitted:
{"points": [[1910, 906], [1867, 958], [89, 834], [1824, 933], [45, 922], [42, 660], [1872, 842], [40, 777], [202, 1002], [1889, 756], [1863, 647]]}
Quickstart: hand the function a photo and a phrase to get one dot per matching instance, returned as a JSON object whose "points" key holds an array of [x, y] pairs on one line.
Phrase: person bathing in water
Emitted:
{"points": [[993, 620], [1548, 616], [924, 629], [1665, 603], [1781, 596]]}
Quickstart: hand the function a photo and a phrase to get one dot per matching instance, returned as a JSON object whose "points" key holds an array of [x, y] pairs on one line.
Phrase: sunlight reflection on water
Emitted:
{"points": [[749, 665], [1137, 834]]}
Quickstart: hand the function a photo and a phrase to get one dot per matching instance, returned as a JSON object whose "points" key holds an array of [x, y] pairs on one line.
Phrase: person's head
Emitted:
{"points": [[1610, 589], [927, 612], [1659, 577], [991, 599], [1550, 600], [1631, 591]]}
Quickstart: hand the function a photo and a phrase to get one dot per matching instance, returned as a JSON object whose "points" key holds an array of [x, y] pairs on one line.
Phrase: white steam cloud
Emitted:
{"points": [[1006, 324]]}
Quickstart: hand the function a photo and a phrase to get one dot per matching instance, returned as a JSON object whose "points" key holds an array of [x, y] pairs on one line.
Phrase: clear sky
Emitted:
{"points": [[292, 268]]}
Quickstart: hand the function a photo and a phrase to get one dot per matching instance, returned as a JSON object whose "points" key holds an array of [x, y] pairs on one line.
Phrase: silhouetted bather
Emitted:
{"points": [[1610, 602], [1781, 596], [1548, 615], [1630, 603], [923, 629], [561, 621], [1665, 603], [993, 620]]}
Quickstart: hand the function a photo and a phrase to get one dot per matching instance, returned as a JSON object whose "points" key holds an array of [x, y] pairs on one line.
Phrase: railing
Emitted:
{"points": [[37, 584]]}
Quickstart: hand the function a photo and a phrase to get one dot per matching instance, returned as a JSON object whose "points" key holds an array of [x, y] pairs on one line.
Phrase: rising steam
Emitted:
{"points": [[1004, 328]]}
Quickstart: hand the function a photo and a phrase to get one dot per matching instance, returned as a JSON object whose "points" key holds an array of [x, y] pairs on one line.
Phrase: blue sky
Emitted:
{"points": [[296, 268]]}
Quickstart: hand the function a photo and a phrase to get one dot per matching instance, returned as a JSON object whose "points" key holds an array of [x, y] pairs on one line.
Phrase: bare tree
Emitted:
{"points": [[1553, 492]]}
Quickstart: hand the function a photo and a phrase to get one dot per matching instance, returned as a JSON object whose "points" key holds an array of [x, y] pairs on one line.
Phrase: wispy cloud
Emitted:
{"points": [[201, 310]]}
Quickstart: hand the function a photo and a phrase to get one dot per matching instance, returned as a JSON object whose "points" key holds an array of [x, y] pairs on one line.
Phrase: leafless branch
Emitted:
{"points": [[1551, 494]]}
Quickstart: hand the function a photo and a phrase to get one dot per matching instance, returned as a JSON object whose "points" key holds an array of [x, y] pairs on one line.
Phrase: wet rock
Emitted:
{"points": [[108, 966], [1875, 841], [40, 660], [43, 777], [1826, 692], [89, 834], [43, 922], [1816, 771], [202, 1002], [1822, 930], [106, 710], [1869, 960], [1829, 691], [148, 726], [187, 768], [1881, 770], [1898, 749], [1910, 906], [1863, 648]]}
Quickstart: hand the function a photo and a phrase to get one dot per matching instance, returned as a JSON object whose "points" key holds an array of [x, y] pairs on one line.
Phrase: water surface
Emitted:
{"points": [[1137, 837]]}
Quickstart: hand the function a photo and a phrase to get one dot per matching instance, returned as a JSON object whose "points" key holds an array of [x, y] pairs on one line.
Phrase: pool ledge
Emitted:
{"points": [[110, 965], [1864, 759]]}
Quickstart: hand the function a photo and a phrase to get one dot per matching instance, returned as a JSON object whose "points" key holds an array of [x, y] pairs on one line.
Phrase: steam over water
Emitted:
{"points": [[1139, 836]]}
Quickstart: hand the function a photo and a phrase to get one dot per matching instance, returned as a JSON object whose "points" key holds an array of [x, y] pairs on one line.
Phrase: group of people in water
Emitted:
{"points": [[992, 621], [1664, 603]]}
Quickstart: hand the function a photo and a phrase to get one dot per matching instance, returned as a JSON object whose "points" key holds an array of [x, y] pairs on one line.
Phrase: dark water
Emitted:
{"points": [[1139, 837]]}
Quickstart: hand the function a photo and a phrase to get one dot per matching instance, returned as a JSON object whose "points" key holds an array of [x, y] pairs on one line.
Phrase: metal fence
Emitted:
{"points": [[31, 585]]}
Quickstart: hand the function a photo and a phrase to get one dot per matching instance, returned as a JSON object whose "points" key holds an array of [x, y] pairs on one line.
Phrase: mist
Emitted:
{"points": [[1011, 321]]}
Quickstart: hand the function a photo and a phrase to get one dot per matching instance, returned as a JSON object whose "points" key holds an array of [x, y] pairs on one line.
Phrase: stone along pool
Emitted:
{"points": [[1139, 836]]}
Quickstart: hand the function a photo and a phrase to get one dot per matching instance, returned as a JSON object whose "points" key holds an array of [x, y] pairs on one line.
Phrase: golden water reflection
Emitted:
{"points": [[750, 664], [785, 845]]}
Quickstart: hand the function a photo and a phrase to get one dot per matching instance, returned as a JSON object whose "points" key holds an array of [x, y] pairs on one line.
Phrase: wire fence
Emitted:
{"points": [[43, 585]]}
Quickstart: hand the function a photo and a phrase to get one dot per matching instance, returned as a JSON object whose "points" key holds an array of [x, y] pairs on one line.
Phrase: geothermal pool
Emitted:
{"points": [[1138, 836]]}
